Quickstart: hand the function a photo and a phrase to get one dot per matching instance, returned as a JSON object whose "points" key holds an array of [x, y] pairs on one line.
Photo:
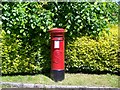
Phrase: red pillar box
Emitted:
{"points": [[57, 53]]}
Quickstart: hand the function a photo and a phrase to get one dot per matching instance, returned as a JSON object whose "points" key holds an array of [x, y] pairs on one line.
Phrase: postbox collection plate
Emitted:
{"points": [[56, 44]]}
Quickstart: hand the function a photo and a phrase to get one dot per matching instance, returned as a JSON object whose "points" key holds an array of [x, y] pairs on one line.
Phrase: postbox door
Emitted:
{"points": [[58, 54]]}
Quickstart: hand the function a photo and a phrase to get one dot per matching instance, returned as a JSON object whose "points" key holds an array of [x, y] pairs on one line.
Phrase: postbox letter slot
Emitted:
{"points": [[58, 38], [56, 44]]}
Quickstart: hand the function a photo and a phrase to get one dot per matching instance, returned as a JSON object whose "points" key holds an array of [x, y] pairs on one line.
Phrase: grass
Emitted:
{"points": [[105, 80]]}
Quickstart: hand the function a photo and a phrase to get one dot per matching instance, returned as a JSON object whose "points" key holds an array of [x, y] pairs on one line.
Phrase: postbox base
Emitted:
{"points": [[57, 75]]}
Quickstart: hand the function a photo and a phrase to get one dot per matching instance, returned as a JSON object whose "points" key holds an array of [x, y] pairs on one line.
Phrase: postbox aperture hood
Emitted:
{"points": [[57, 30]]}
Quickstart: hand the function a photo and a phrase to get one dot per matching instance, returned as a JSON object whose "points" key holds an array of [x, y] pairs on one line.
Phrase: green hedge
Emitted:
{"points": [[25, 43], [25, 40], [83, 54], [0, 51], [20, 58], [83, 18], [87, 55]]}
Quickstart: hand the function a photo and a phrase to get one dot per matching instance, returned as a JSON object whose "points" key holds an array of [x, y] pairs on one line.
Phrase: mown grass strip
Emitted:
{"points": [[105, 80]]}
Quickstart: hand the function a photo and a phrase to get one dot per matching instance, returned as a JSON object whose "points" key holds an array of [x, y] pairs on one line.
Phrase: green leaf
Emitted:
{"points": [[44, 30], [24, 33], [22, 30], [79, 21], [8, 31], [32, 26], [41, 27]]}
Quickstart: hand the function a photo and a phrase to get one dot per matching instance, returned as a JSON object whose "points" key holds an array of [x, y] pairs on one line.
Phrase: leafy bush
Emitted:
{"points": [[26, 46], [83, 18], [87, 55], [25, 40], [0, 50]]}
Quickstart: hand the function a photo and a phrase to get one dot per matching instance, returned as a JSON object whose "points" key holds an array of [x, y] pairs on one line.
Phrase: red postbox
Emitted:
{"points": [[57, 53]]}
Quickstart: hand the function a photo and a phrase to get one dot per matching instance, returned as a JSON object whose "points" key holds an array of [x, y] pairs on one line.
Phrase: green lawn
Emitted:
{"points": [[105, 80]]}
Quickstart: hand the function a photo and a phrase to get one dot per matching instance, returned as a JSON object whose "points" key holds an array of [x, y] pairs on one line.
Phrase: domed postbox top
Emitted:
{"points": [[57, 30]]}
